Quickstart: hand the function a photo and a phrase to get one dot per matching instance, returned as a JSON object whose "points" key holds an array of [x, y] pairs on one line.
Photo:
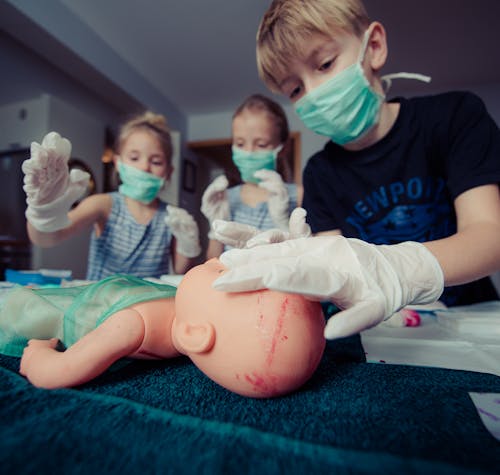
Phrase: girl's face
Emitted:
{"points": [[143, 150], [255, 130]]}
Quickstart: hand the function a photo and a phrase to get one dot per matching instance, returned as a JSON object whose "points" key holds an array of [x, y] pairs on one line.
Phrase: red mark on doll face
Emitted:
{"points": [[277, 331], [260, 384]]}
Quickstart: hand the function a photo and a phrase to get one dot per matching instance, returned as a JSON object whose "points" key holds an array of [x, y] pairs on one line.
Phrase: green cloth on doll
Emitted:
{"points": [[69, 313]]}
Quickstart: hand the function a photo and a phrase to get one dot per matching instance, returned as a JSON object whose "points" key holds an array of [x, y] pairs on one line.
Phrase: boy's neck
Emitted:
{"points": [[388, 114]]}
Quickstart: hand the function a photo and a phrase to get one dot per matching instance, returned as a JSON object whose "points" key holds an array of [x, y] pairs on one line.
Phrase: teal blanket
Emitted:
{"points": [[165, 417]]}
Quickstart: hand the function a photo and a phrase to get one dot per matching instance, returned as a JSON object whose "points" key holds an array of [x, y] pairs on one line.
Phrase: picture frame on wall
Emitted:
{"points": [[189, 176]]}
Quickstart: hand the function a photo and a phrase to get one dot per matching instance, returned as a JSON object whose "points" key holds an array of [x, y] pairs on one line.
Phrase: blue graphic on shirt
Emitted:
{"points": [[416, 211]]}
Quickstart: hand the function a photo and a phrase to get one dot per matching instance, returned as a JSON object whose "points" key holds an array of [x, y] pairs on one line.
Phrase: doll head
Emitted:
{"points": [[258, 344]]}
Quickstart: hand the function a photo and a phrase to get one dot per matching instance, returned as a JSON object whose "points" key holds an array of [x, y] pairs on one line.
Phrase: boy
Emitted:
{"points": [[405, 171]]}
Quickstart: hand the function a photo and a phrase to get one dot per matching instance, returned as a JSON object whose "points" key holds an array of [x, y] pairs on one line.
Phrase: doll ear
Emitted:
{"points": [[195, 338]]}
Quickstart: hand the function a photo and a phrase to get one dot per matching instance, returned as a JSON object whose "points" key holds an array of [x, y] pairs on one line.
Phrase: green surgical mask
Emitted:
{"points": [[138, 185], [249, 162]]}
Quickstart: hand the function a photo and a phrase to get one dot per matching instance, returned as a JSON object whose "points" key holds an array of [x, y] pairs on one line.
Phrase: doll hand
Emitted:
{"points": [[50, 188], [245, 236], [35, 364], [369, 282], [278, 196], [214, 202], [185, 230]]}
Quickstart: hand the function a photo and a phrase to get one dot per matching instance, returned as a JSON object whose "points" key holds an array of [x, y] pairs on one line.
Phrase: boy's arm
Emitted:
{"points": [[474, 251], [119, 336]]}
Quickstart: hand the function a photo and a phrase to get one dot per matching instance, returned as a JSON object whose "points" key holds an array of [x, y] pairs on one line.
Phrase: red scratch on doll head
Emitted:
{"points": [[261, 384], [277, 331]]}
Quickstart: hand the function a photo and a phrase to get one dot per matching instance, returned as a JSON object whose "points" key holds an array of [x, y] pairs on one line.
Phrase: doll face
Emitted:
{"points": [[258, 344]]}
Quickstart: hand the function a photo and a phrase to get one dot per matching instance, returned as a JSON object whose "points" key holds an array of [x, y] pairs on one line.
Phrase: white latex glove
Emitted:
{"points": [[185, 230], [214, 202], [368, 282], [245, 236], [50, 188], [278, 196]]}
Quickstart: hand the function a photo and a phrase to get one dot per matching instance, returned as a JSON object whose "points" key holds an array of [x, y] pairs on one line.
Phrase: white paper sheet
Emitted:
{"points": [[488, 408], [434, 344]]}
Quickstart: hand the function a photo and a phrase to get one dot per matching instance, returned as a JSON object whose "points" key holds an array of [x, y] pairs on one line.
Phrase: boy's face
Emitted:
{"points": [[323, 57]]}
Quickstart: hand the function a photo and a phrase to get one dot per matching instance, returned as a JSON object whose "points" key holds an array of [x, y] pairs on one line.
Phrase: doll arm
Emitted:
{"points": [[119, 336]]}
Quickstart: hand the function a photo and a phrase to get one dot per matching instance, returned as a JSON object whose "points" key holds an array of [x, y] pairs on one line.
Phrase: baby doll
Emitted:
{"points": [[257, 344]]}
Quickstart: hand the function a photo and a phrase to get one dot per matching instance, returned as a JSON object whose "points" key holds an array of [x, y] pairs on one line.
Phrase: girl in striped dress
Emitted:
{"points": [[133, 231]]}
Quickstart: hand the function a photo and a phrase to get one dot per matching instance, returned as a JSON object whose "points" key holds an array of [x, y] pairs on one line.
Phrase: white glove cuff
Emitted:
{"points": [[422, 278], [48, 218]]}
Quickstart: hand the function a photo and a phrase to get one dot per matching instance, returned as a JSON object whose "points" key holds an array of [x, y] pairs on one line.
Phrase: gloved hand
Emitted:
{"points": [[50, 188], [245, 236], [185, 230], [214, 202], [368, 282], [278, 196]]}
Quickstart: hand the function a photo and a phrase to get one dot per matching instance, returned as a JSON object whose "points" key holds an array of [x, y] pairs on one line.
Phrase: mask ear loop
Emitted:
{"points": [[364, 45], [387, 79]]}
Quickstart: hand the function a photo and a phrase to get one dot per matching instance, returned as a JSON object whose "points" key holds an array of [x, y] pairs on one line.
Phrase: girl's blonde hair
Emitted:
{"points": [[151, 122], [258, 102], [288, 24]]}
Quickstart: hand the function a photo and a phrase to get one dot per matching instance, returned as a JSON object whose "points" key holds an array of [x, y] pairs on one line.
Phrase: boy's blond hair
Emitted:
{"points": [[151, 122], [288, 24]]}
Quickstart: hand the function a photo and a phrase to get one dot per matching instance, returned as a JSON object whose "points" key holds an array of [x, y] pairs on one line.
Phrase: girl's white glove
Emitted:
{"points": [[50, 188], [214, 202], [278, 200], [245, 236], [185, 230], [368, 282]]}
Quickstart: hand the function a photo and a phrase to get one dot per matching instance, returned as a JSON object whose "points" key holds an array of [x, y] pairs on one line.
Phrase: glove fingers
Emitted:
{"points": [[316, 283], [243, 278], [77, 175], [267, 175], [297, 224], [361, 316], [269, 236], [233, 234], [60, 145]]}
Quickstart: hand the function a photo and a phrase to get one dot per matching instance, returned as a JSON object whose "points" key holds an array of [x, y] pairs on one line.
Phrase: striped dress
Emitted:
{"points": [[257, 216], [127, 247]]}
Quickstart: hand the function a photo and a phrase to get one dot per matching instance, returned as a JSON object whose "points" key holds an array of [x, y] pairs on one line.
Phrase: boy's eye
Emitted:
{"points": [[294, 93], [326, 65]]}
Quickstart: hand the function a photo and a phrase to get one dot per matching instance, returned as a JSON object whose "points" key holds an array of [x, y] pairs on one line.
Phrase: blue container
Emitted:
{"points": [[39, 277]]}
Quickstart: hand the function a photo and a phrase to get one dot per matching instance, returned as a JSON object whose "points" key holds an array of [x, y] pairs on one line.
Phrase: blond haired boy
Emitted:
{"points": [[394, 174]]}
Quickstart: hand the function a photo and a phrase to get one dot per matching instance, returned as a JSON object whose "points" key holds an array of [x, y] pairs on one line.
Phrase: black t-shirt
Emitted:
{"points": [[402, 188]]}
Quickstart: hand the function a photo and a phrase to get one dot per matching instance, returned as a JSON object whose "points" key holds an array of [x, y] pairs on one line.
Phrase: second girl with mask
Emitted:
{"points": [[263, 200]]}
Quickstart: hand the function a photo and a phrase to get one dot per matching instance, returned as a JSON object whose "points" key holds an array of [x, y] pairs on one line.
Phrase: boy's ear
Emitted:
{"points": [[377, 46], [194, 338]]}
